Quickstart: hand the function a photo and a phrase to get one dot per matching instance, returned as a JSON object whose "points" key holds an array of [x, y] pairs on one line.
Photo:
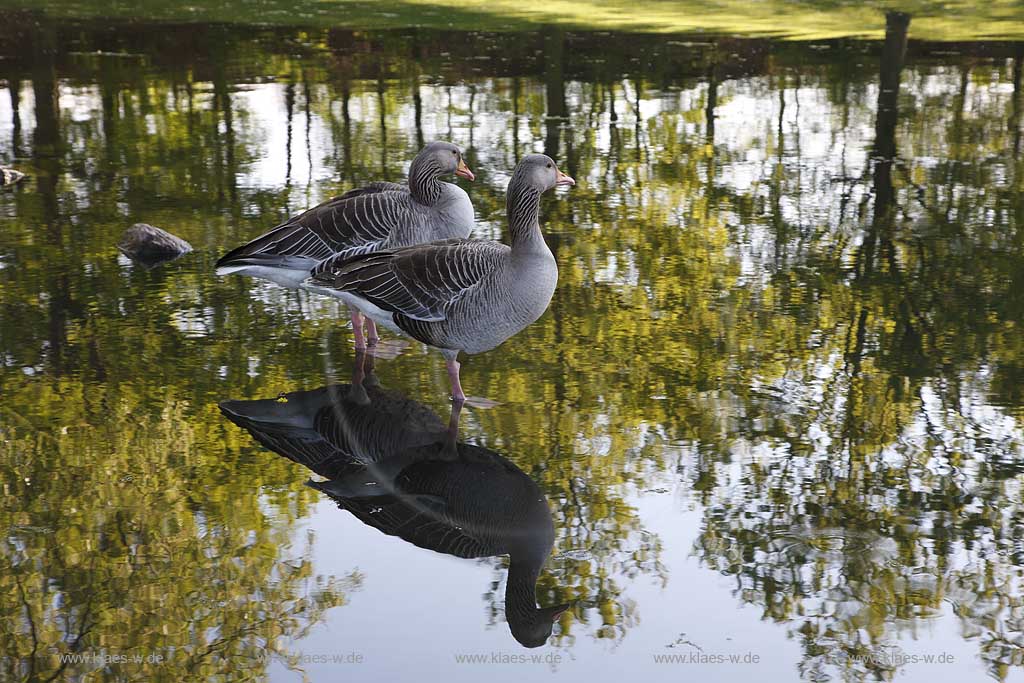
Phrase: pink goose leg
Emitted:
{"points": [[458, 395], [371, 332], [357, 328]]}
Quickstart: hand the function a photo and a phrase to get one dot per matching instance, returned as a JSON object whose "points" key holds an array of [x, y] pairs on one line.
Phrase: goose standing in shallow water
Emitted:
{"points": [[380, 215], [459, 295]]}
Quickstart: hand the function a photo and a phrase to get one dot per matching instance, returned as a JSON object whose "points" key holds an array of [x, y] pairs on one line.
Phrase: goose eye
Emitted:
{"points": [[549, 165]]}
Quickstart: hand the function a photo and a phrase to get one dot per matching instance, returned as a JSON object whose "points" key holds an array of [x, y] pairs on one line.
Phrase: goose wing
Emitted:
{"points": [[419, 508], [419, 282], [372, 188], [354, 224], [292, 429], [419, 520]]}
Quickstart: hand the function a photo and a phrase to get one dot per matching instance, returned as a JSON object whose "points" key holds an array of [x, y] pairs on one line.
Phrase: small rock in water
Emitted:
{"points": [[8, 176], [151, 246]]}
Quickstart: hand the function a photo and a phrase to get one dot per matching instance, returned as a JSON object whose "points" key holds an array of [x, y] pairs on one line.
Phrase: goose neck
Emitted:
{"points": [[520, 588], [424, 180], [523, 207]]}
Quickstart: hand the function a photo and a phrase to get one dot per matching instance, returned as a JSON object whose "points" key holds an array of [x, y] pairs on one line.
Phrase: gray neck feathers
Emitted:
{"points": [[520, 590], [424, 183], [522, 203]]}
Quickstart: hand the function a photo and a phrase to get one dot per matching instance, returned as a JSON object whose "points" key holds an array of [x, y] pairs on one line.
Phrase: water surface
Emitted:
{"points": [[775, 405]]}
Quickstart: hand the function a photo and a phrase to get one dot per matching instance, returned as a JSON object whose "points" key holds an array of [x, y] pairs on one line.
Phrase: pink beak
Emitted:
{"points": [[463, 171]]}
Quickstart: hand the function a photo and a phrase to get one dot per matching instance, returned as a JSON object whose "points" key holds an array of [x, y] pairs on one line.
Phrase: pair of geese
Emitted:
{"points": [[399, 255]]}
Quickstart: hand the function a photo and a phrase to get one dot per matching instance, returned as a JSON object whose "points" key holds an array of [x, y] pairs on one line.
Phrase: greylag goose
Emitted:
{"points": [[459, 295], [414, 480], [380, 215]]}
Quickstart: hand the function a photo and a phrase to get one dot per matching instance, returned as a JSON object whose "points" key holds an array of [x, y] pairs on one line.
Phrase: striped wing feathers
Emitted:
{"points": [[357, 224], [372, 188], [420, 282]]}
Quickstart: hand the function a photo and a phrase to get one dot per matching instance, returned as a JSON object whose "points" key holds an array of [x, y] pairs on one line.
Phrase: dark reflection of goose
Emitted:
{"points": [[395, 465]]}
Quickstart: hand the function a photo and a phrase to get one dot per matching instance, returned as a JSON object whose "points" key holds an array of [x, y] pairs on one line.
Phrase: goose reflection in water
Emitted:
{"points": [[396, 466]]}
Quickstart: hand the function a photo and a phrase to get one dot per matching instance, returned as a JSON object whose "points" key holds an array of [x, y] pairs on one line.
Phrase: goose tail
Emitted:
{"points": [[287, 271]]}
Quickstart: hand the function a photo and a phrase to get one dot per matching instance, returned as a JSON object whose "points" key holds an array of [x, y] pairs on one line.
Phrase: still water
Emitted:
{"points": [[775, 407]]}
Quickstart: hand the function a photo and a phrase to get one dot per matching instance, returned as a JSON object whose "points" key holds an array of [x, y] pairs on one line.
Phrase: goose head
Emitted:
{"points": [[440, 159], [539, 172], [533, 628]]}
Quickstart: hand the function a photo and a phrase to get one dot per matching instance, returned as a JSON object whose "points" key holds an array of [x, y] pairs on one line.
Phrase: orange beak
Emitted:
{"points": [[463, 171], [564, 179]]}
